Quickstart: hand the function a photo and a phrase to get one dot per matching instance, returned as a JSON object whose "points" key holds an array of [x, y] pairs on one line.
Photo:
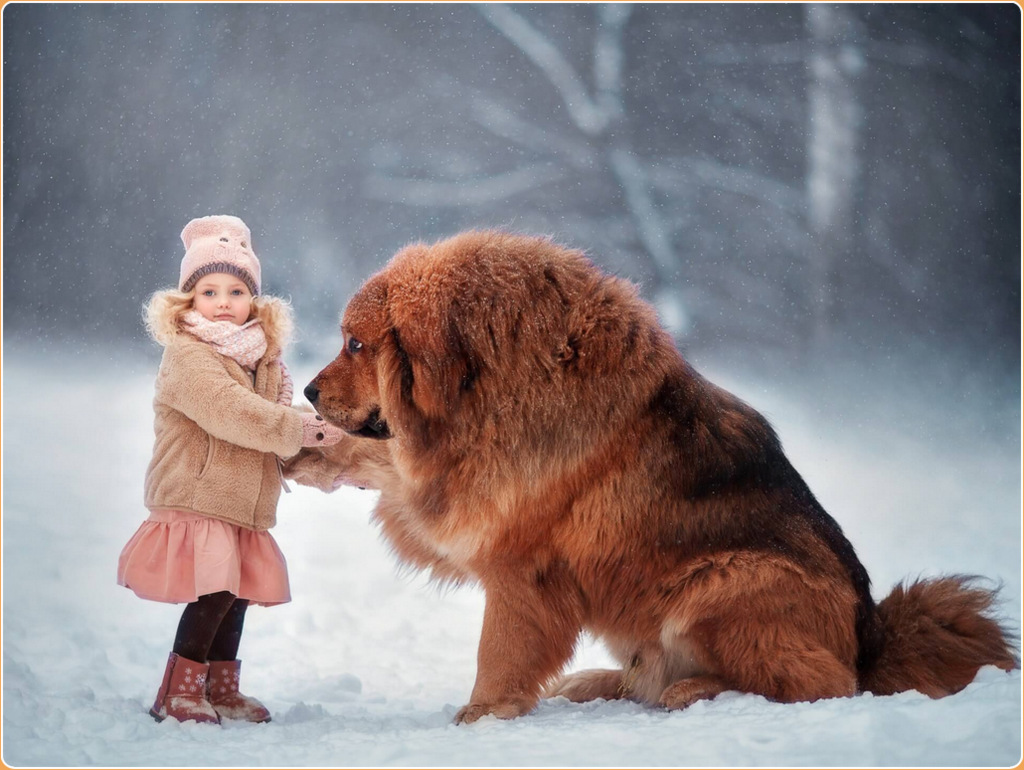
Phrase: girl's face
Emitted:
{"points": [[222, 297]]}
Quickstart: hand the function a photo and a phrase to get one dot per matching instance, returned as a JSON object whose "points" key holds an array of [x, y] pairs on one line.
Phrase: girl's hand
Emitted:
{"points": [[316, 431]]}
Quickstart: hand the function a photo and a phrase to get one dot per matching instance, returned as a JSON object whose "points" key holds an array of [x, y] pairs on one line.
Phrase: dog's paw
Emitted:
{"points": [[686, 692], [588, 685], [312, 469], [509, 709]]}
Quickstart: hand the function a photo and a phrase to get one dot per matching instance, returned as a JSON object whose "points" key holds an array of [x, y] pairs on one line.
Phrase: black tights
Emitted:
{"points": [[211, 628]]}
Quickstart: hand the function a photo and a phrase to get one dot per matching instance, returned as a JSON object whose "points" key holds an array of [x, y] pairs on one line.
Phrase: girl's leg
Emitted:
{"points": [[229, 633], [225, 669], [200, 623], [183, 691]]}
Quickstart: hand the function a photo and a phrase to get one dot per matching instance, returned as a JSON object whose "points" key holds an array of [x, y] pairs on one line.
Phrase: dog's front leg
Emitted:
{"points": [[357, 462], [531, 623]]}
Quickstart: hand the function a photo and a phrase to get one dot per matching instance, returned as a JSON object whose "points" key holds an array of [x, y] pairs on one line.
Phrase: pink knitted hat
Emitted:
{"points": [[218, 244]]}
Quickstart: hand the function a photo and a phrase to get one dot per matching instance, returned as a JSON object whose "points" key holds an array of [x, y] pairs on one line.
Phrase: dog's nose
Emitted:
{"points": [[311, 392]]}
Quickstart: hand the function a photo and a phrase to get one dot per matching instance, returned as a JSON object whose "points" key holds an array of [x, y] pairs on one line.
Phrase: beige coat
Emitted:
{"points": [[219, 433]]}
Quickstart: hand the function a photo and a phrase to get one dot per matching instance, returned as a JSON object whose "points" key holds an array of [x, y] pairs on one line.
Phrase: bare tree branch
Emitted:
{"points": [[587, 115], [595, 116], [648, 221], [505, 124], [608, 56], [670, 175]]}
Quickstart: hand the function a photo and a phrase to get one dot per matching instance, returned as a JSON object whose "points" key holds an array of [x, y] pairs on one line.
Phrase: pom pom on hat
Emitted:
{"points": [[218, 244]]}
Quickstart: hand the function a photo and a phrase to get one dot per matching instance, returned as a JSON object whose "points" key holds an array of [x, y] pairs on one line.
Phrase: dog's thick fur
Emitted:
{"points": [[532, 428]]}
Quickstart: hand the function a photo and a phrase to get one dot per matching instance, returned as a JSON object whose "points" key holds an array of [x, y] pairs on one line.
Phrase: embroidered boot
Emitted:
{"points": [[182, 693], [228, 702]]}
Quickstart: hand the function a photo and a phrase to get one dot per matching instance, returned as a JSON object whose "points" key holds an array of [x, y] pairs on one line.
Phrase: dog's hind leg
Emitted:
{"points": [[767, 626], [779, 665], [800, 673], [588, 685]]}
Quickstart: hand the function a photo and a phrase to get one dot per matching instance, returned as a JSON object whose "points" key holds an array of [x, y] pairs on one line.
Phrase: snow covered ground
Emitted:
{"points": [[367, 665]]}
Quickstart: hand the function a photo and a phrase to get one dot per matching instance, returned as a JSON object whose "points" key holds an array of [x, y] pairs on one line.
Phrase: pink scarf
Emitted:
{"points": [[246, 344]]}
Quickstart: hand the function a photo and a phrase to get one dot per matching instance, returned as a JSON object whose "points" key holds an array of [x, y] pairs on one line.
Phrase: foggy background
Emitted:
{"points": [[786, 182]]}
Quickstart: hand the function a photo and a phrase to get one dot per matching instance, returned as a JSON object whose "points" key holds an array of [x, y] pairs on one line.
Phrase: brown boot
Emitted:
{"points": [[182, 693], [228, 702]]}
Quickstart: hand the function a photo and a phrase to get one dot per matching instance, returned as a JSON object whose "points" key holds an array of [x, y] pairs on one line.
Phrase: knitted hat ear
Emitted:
{"points": [[218, 244]]}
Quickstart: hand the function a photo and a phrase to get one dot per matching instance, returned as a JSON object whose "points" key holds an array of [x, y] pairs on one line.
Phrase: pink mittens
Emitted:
{"points": [[316, 431]]}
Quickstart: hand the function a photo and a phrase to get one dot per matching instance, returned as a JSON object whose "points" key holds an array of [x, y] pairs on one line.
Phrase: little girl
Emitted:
{"points": [[223, 422]]}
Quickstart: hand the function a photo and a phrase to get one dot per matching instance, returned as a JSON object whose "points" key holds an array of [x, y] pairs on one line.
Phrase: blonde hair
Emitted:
{"points": [[163, 312]]}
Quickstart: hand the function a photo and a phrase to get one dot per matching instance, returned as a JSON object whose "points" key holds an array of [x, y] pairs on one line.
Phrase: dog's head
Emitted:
{"points": [[488, 336], [347, 391]]}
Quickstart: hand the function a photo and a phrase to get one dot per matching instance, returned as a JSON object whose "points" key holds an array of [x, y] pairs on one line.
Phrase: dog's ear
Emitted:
{"points": [[431, 368], [423, 361], [409, 374]]}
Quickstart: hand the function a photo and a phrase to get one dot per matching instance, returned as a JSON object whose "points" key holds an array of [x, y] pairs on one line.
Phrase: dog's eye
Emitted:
{"points": [[354, 345]]}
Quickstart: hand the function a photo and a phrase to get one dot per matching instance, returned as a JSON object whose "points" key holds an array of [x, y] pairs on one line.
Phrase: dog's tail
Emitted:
{"points": [[936, 634]]}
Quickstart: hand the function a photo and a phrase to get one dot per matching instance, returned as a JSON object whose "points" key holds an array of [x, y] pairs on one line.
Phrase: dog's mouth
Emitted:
{"points": [[373, 427]]}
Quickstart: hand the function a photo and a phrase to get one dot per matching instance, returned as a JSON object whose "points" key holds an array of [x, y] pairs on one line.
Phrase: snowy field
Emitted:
{"points": [[368, 665]]}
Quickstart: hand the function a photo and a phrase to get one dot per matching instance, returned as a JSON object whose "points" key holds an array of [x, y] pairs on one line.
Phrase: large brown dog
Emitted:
{"points": [[531, 427]]}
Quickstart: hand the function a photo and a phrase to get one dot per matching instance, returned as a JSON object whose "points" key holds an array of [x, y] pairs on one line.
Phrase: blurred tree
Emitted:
{"points": [[835, 122], [647, 186], [764, 171], [725, 234]]}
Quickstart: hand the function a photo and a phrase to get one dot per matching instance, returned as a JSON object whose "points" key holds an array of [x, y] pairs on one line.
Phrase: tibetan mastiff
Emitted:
{"points": [[533, 429]]}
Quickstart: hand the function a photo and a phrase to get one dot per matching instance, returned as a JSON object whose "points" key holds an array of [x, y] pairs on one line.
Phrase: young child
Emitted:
{"points": [[223, 422]]}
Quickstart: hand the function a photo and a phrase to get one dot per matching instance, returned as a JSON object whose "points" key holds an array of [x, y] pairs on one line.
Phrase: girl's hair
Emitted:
{"points": [[162, 316]]}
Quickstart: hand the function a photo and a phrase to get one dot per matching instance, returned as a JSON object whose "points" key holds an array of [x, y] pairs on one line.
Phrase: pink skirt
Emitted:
{"points": [[177, 557]]}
